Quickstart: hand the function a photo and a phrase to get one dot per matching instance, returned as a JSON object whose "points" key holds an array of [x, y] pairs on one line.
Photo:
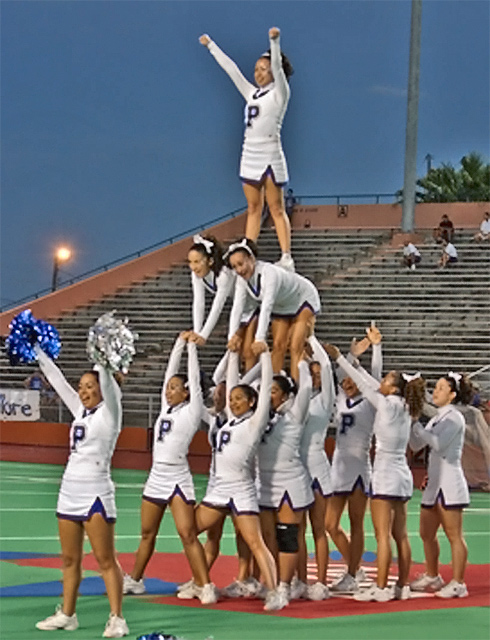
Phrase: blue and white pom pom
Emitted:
{"points": [[110, 343], [25, 332]]}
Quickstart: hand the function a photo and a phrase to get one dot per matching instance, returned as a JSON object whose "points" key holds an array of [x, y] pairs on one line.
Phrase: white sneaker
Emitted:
{"points": [[374, 594], [360, 575], [298, 589], [255, 588], [427, 583], [402, 593], [284, 589], [237, 589], [346, 584], [58, 620], [116, 627], [275, 600], [453, 589], [208, 594], [286, 262], [317, 592], [132, 586], [185, 585], [189, 590], [412, 267]]}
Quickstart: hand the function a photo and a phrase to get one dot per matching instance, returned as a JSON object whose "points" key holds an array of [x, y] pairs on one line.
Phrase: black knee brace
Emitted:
{"points": [[287, 537]]}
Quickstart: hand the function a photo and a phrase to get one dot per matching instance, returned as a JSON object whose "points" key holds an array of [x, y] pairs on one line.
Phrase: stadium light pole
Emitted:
{"points": [[410, 175], [62, 254]]}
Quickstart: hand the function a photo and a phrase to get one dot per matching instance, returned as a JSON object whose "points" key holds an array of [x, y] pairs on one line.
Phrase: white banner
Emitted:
{"points": [[18, 404]]}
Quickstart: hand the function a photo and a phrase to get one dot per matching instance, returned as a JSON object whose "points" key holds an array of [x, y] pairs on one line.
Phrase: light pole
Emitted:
{"points": [[61, 255]]}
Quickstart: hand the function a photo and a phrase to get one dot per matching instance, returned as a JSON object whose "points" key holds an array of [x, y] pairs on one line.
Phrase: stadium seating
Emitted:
{"points": [[432, 320]]}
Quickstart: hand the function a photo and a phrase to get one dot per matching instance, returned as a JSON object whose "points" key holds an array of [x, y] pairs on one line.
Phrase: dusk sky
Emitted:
{"points": [[118, 129]]}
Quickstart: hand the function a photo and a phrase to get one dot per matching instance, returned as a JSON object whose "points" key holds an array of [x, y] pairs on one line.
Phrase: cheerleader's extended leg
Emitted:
{"points": [[301, 326], [274, 196], [452, 523], [254, 194], [151, 517], [101, 536], [249, 528], [185, 522], [71, 538], [357, 502], [400, 534]]}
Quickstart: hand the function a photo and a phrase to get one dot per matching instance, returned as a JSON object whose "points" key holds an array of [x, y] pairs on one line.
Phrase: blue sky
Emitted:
{"points": [[118, 129]]}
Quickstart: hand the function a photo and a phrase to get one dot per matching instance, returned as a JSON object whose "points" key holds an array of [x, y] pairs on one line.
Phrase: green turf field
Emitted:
{"points": [[28, 526]]}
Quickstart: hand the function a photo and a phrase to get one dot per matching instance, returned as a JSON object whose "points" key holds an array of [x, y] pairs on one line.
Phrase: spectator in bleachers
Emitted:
{"points": [[37, 382], [449, 254], [411, 255], [484, 232], [445, 230], [290, 201]]}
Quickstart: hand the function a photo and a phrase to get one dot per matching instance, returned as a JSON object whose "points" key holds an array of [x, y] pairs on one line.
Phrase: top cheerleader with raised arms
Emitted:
{"points": [[263, 163]]}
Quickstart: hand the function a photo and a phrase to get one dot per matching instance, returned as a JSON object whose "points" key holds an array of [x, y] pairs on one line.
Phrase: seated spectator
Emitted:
{"points": [[289, 202], [449, 254], [484, 232], [445, 230], [37, 382], [411, 255]]}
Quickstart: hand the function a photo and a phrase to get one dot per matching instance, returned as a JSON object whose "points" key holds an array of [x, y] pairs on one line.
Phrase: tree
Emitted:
{"points": [[470, 183]]}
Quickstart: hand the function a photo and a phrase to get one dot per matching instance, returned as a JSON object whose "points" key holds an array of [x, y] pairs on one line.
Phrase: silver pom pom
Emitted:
{"points": [[110, 343]]}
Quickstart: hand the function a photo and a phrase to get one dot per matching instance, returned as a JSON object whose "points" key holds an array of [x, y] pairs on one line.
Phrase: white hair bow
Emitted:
{"points": [[236, 246], [208, 244], [408, 378], [455, 376]]}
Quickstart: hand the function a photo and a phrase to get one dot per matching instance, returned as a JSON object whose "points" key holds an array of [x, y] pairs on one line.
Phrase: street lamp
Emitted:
{"points": [[61, 255]]}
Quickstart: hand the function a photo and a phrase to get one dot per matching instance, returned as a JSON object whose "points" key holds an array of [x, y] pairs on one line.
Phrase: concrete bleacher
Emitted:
{"points": [[432, 320]]}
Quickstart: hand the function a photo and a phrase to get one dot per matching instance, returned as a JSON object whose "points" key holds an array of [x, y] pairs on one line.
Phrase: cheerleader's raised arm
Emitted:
{"points": [[58, 381]]}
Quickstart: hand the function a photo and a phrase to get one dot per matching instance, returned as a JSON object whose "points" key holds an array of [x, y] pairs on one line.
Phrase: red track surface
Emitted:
{"points": [[172, 567]]}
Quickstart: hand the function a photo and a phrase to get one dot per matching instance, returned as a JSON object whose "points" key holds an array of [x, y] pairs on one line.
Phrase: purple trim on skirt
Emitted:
{"points": [[97, 507], [268, 172], [286, 498], [381, 496], [316, 486], [254, 315], [162, 501], [440, 500], [230, 506], [358, 484], [290, 316]]}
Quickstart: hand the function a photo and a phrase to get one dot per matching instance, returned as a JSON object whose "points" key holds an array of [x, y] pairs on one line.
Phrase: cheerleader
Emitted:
{"points": [[446, 493], [312, 451], [288, 300], [263, 167], [397, 399], [233, 488], [170, 480], [351, 465], [86, 500], [205, 260], [285, 492]]}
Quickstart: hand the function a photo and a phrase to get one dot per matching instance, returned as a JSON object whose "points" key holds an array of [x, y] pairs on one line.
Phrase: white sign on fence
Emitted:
{"points": [[19, 404]]}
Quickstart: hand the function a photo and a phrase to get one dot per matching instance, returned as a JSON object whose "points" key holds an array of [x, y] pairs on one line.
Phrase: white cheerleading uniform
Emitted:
{"points": [[86, 486], [173, 432], [444, 434], [312, 445], [280, 293], [354, 420], [262, 152], [282, 474], [220, 287], [391, 477], [236, 442]]}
